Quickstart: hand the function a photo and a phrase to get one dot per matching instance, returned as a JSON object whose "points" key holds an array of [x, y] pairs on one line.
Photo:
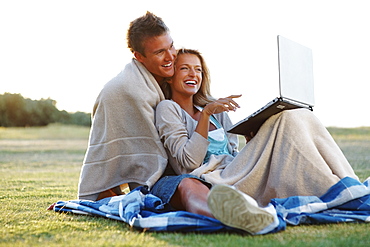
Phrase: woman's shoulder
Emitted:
{"points": [[168, 105], [168, 110]]}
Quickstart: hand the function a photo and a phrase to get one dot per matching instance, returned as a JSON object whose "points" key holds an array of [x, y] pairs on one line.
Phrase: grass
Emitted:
{"points": [[39, 166]]}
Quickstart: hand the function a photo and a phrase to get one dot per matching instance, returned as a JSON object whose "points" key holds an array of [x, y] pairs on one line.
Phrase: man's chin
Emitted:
{"points": [[167, 74]]}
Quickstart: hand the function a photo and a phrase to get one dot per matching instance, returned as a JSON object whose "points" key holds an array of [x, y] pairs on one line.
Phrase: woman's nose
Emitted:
{"points": [[192, 72]]}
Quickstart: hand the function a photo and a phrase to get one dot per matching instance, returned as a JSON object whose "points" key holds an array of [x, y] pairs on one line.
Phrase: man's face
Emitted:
{"points": [[159, 57]]}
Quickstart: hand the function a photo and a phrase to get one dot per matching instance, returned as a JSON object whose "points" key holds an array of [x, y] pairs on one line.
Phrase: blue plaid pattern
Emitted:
{"points": [[346, 201]]}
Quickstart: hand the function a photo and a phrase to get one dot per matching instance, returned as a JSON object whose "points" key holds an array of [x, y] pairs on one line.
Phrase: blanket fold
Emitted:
{"points": [[124, 146]]}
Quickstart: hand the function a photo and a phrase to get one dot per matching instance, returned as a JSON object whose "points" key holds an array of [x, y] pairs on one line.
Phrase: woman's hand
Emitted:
{"points": [[223, 104], [218, 106], [249, 137]]}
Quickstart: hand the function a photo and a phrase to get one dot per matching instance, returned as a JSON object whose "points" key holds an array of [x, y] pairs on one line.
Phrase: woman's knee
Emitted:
{"points": [[188, 189], [297, 116], [192, 185]]}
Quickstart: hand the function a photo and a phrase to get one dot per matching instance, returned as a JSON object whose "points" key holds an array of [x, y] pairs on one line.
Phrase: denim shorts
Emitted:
{"points": [[165, 187]]}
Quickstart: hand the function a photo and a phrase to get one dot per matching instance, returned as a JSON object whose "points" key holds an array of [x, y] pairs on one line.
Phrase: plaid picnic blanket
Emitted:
{"points": [[346, 201]]}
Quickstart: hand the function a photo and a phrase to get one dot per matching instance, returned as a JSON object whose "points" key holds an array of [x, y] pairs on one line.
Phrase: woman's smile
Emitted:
{"points": [[188, 76]]}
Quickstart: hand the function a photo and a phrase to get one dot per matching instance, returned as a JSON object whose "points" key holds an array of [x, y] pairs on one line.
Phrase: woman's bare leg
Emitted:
{"points": [[191, 196]]}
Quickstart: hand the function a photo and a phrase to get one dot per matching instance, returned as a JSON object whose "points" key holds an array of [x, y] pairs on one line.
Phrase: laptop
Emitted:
{"points": [[295, 84]]}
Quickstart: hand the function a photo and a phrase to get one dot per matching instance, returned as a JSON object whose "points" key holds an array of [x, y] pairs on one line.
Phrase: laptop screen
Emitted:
{"points": [[295, 72]]}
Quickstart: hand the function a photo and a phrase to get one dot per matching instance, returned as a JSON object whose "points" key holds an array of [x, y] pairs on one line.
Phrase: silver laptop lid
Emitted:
{"points": [[295, 72]]}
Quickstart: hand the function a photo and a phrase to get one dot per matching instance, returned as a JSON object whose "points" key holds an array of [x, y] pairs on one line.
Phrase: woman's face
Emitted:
{"points": [[188, 76]]}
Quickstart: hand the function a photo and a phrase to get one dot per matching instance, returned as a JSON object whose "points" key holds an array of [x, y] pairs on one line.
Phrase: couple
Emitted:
{"points": [[292, 154]]}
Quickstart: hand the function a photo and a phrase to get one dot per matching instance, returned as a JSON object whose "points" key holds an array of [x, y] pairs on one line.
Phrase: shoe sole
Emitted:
{"points": [[231, 208]]}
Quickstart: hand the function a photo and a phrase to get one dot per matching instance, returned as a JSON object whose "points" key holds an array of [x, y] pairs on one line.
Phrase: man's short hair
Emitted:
{"points": [[142, 28]]}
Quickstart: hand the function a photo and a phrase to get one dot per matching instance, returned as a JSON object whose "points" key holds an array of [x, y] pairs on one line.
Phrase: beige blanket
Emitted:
{"points": [[124, 146], [292, 154]]}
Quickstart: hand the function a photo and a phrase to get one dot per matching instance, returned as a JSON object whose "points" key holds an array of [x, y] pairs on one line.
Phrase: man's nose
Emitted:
{"points": [[170, 55]]}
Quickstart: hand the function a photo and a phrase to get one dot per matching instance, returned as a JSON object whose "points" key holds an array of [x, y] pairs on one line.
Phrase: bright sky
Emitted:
{"points": [[67, 50]]}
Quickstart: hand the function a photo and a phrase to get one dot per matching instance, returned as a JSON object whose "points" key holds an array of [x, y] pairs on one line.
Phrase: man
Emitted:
{"points": [[124, 146]]}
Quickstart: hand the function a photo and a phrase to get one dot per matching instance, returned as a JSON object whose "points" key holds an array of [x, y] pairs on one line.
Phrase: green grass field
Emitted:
{"points": [[39, 166]]}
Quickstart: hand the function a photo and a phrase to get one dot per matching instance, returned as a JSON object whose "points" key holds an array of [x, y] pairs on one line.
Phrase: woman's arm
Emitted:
{"points": [[186, 150]]}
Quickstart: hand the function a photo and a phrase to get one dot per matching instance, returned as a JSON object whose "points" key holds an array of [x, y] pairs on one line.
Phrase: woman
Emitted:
{"points": [[292, 154]]}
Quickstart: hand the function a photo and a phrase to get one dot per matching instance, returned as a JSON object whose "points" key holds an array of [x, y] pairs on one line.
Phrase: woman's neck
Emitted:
{"points": [[187, 104]]}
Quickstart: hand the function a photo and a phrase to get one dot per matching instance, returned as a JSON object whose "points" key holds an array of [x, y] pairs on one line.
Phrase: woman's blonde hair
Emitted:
{"points": [[203, 96]]}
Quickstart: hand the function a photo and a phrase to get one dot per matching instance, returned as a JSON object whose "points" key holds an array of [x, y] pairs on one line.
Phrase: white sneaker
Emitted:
{"points": [[238, 210]]}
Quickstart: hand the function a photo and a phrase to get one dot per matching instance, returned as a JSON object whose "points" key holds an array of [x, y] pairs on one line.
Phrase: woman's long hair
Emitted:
{"points": [[203, 96]]}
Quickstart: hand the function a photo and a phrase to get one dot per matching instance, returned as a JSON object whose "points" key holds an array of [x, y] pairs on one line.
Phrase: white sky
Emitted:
{"points": [[67, 50]]}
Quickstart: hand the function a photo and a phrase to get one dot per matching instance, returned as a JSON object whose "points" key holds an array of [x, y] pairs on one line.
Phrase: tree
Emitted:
{"points": [[16, 111]]}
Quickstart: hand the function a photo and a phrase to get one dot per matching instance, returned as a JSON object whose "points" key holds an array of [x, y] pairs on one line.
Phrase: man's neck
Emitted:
{"points": [[159, 79]]}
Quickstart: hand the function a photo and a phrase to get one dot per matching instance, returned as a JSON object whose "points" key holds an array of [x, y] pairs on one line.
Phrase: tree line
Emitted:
{"points": [[17, 111]]}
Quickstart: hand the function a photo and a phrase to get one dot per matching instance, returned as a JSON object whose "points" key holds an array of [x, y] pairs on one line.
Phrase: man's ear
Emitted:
{"points": [[139, 57]]}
